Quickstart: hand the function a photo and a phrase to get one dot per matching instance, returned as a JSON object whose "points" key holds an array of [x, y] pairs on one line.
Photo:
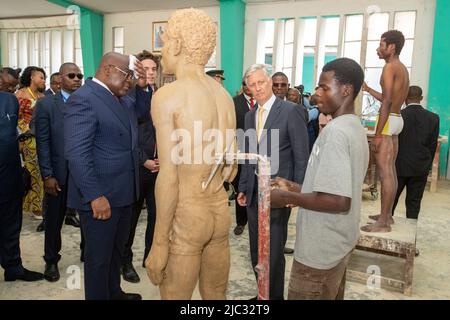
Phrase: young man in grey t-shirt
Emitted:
{"points": [[330, 197]]}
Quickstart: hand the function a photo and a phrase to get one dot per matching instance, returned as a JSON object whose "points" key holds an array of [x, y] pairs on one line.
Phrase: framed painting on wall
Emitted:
{"points": [[158, 30]]}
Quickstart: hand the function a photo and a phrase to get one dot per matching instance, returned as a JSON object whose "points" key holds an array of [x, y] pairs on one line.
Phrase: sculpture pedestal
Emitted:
{"points": [[391, 254]]}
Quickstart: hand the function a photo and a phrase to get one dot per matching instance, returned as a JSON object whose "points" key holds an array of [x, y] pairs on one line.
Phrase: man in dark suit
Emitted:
{"points": [[279, 131], [49, 130], [11, 193], [55, 84], [148, 170], [242, 103], [416, 147], [100, 142]]}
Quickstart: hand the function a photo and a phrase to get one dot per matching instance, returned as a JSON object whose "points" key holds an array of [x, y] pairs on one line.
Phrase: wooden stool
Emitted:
{"points": [[393, 253]]}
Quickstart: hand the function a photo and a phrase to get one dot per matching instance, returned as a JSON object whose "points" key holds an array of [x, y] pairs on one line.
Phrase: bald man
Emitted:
{"points": [[100, 140]]}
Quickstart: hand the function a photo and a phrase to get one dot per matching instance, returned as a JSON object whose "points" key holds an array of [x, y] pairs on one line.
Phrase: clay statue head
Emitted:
{"points": [[190, 37]]}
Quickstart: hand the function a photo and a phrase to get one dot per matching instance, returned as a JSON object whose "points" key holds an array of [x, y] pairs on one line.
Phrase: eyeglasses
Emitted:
{"points": [[128, 74], [72, 75]]}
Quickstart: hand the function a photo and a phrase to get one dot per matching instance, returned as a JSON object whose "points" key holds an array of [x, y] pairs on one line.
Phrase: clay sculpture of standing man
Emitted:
{"points": [[190, 242]]}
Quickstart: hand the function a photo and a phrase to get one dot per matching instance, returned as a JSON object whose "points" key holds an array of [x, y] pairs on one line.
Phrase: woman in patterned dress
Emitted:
{"points": [[33, 82]]}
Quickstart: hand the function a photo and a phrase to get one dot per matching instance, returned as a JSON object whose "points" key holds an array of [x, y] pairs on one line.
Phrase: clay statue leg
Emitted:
{"points": [[214, 271], [181, 277], [215, 265], [385, 159]]}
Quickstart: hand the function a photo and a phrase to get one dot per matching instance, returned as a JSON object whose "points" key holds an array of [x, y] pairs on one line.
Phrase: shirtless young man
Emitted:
{"points": [[394, 84], [190, 242]]}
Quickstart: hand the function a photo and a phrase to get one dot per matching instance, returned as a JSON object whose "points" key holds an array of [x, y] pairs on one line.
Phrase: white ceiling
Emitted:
{"points": [[25, 8], [112, 6], [36, 8]]}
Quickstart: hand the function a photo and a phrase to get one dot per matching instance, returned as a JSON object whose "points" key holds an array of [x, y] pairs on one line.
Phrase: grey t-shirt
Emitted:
{"points": [[337, 165]]}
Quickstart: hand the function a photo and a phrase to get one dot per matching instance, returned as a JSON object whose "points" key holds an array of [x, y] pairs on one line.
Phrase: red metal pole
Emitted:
{"points": [[262, 267]]}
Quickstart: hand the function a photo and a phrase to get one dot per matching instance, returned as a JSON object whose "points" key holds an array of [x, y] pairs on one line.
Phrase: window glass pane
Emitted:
{"points": [[269, 30], [77, 39], [288, 73], [288, 55], [331, 31], [407, 53], [68, 45], [78, 57], [118, 36], [56, 50], [23, 50], [33, 38], [372, 59], [406, 23], [118, 50], [12, 48], [289, 31], [309, 33], [372, 78], [353, 27], [378, 24], [352, 50], [211, 64]]}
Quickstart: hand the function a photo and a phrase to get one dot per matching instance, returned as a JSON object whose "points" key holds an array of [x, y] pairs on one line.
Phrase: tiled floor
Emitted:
{"points": [[431, 272]]}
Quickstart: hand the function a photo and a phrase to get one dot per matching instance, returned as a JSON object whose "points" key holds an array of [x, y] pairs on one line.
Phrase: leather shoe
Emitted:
{"points": [[288, 250], [126, 296], [72, 221], [129, 274], [51, 272], [238, 230], [41, 226], [26, 275]]}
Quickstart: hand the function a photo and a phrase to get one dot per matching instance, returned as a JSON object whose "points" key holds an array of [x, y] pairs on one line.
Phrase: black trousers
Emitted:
{"points": [[104, 245], [147, 182], [241, 212], [10, 226], [55, 212], [415, 186], [279, 219]]}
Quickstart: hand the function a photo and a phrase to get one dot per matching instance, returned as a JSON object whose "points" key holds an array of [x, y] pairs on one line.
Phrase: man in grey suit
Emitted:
{"points": [[277, 129]]}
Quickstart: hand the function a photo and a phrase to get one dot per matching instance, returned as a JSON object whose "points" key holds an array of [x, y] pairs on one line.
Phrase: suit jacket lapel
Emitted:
{"points": [[112, 103], [273, 115]]}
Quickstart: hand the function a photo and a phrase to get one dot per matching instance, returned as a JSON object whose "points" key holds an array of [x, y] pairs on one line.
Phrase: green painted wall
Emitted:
{"points": [[232, 24], [438, 87], [91, 34]]}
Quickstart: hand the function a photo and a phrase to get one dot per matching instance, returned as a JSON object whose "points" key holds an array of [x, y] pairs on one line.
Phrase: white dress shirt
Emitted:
{"points": [[267, 106], [102, 84]]}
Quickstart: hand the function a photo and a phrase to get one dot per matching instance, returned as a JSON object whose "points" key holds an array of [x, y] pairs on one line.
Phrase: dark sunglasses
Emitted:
{"points": [[73, 75]]}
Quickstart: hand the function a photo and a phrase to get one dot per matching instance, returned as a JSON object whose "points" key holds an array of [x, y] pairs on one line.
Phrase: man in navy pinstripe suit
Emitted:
{"points": [[100, 137]]}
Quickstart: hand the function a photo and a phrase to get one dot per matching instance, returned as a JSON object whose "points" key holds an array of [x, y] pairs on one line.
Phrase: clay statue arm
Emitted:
{"points": [[166, 190], [229, 170]]}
